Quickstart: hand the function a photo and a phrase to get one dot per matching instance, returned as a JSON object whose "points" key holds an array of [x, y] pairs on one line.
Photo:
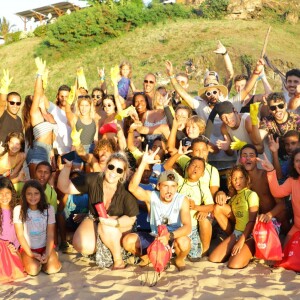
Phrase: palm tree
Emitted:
{"points": [[5, 27]]}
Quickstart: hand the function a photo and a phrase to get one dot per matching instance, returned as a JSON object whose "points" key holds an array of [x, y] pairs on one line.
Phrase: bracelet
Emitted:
{"points": [[225, 53], [172, 76], [271, 170]]}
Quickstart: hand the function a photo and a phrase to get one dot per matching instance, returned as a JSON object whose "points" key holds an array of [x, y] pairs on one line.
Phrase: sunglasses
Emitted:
{"points": [[280, 106], [208, 94], [108, 105], [112, 167], [148, 81], [14, 103], [96, 96]]}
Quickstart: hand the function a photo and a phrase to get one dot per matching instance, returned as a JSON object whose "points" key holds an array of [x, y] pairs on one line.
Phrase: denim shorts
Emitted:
{"points": [[145, 239], [39, 152]]}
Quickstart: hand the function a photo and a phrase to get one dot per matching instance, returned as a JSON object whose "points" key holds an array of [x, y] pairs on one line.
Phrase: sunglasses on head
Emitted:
{"points": [[14, 103], [280, 106], [96, 96], [214, 92], [112, 167], [148, 81]]}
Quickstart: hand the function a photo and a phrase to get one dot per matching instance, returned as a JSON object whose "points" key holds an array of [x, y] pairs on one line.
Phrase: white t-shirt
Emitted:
{"points": [[35, 227], [63, 142]]}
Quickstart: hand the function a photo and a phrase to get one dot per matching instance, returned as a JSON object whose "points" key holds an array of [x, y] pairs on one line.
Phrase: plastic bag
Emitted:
{"points": [[291, 251], [158, 254], [11, 266], [267, 243]]}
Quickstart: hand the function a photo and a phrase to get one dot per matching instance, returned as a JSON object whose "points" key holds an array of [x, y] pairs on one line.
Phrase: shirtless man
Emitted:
{"points": [[269, 207]]}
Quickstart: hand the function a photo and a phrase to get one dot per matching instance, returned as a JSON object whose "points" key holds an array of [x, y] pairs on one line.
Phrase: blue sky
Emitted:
{"points": [[8, 8]]}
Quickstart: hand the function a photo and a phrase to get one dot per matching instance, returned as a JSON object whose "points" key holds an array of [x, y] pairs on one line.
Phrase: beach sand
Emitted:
{"points": [[82, 279]]}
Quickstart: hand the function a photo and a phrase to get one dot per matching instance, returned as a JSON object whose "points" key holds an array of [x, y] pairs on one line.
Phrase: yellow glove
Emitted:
{"points": [[71, 96], [81, 79], [254, 109], [45, 79], [5, 82], [114, 73], [75, 136], [41, 66], [237, 144], [124, 113]]}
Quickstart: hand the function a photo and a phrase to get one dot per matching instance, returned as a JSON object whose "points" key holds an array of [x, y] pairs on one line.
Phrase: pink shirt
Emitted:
{"points": [[290, 187], [8, 229]]}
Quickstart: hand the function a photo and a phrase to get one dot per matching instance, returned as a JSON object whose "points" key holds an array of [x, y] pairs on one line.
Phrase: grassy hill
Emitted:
{"points": [[148, 47]]}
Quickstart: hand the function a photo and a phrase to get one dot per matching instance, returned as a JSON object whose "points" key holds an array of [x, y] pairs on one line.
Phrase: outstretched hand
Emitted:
{"points": [[265, 163], [220, 49], [41, 66], [183, 150], [273, 144], [169, 68], [223, 145], [149, 156], [237, 144], [5, 82]]}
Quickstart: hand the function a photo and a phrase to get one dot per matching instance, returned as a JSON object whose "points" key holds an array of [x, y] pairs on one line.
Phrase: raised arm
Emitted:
{"points": [[134, 188], [5, 83], [178, 88], [64, 183], [72, 118]]}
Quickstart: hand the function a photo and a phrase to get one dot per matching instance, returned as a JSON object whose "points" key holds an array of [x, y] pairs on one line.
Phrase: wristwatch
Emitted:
{"points": [[118, 223], [171, 237]]}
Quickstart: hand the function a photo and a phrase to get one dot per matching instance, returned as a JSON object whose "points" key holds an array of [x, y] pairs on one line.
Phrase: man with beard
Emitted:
{"points": [[269, 207], [165, 206], [292, 94]]}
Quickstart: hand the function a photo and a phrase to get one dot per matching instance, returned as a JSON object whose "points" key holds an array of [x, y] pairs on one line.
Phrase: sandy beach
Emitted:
{"points": [[82, 279]]}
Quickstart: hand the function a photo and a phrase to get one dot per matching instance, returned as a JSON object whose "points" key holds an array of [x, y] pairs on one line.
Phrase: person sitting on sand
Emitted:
{"points": [[165, 206]]}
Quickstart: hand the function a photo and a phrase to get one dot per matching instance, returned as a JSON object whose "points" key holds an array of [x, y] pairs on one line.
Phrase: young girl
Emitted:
{"points": [[34, 222], [240, 212], [125, 80], [13, 156], [8, 236]]}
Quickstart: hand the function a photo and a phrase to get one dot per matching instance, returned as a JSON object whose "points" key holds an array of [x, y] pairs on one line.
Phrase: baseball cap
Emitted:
{"points": [[168, 175]]}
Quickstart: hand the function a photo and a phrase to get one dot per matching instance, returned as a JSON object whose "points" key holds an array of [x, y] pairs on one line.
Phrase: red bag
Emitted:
{"points": [[11, 266], [158, 254], [291, 259], [267, 243]]}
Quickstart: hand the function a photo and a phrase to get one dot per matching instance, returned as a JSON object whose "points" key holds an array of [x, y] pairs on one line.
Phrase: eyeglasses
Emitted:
{"points": [[214, 92], [112, 167], [14, 103], [148, 81], [96, 96], [280, 106]]}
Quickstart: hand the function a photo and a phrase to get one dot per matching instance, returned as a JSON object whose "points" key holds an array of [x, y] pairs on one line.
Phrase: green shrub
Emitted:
{"points": [[95, 25], [40, 31], [214, 9], [12, 37]]}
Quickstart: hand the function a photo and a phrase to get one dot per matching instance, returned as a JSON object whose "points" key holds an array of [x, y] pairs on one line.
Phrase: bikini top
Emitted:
{"points": [[43, 128]]}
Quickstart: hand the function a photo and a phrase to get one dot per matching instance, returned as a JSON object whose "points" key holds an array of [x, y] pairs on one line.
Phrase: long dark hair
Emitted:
{"points": [[293, 172], [28, 129], [11, 135], [42, 204], [5, 183]]}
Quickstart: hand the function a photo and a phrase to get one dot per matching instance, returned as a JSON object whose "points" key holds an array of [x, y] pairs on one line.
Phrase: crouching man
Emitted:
{"points": [[165, 206]]}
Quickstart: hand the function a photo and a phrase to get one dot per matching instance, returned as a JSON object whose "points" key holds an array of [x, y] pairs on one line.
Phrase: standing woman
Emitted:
{"points": [[107, 188], [34, 223], [13, 156], [237, 218], [44, 127]]}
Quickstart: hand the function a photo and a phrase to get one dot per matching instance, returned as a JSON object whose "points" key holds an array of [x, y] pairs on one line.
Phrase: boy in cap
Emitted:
{"points": [[165, 206]]}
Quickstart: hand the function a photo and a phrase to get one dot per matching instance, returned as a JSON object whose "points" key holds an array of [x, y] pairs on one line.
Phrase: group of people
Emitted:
{"points": [[112, 167]]}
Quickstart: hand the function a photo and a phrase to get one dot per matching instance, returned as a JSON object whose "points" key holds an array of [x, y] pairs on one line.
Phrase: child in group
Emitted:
{"points": [[12, 157], [8, 236], [240, 212], [125, 81], [34, 223]]}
